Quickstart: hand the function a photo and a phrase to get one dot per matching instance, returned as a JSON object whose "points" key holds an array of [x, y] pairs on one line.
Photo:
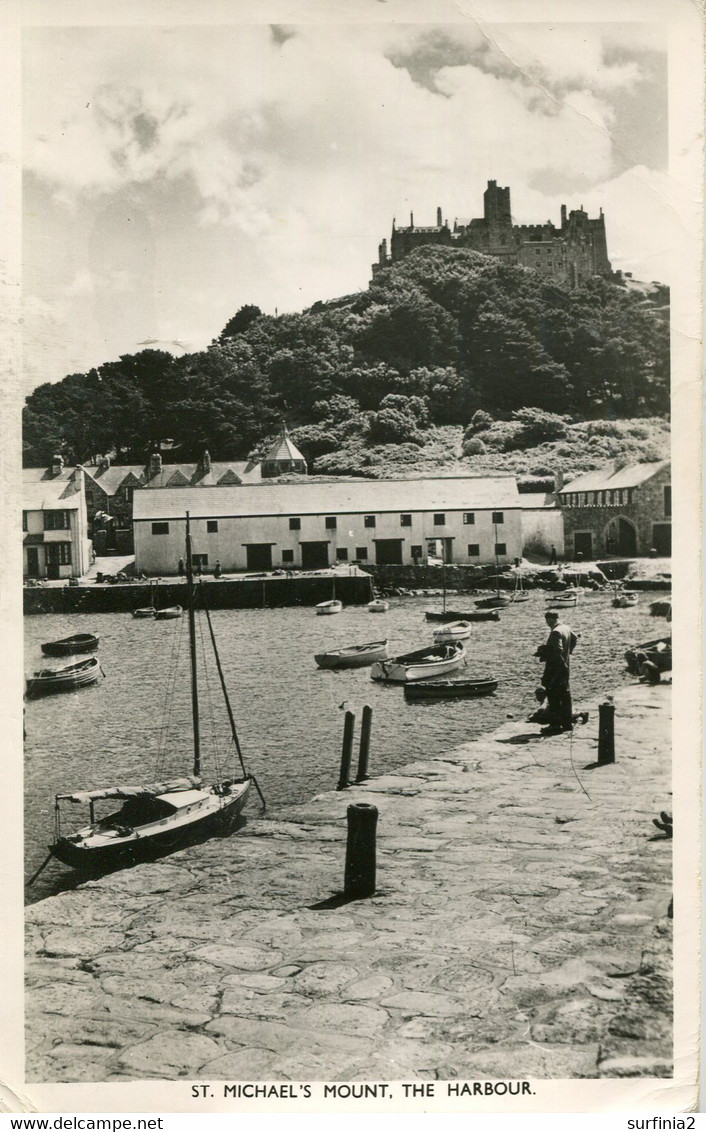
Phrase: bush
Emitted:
{"points": [[480, 422], [473, 447], [390, 426], [603, 428], [539, 426]]}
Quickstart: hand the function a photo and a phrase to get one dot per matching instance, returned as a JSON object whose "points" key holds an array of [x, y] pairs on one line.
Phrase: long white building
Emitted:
{"points": [[314, 525]]}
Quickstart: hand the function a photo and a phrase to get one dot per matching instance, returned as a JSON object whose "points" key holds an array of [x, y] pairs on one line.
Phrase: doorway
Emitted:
{"points": [[314, 555], [258, 555], [583, 544], [388, 551], [620, 538], [662, 539], [32, 562]]}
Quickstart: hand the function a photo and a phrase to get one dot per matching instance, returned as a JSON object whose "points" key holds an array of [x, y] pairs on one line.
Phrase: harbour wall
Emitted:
{"points": [[225, 593]]}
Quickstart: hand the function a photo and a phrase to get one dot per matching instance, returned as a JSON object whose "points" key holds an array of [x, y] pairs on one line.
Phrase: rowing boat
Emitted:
{"points": [[65, 679], [70, 646], [435, 660], [449, 689], [453, 631], [355, 656]]}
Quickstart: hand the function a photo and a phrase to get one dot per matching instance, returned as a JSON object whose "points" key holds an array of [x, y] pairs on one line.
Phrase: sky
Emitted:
{"points": [[173, 174]]}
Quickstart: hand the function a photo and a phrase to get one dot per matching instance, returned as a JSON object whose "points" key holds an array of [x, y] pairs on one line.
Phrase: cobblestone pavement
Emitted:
{"points": [[519, 929]]}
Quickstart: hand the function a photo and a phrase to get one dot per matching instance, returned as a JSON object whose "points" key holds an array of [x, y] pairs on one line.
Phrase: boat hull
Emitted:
{"points": [[143, 614], [327, 608], [403, 670], [455, 631], [350, 658], [89, 856], [67, 680], [71, 646], [497, 602], [657, 652], [449, 689], [168, 614], [474, 615], [378, 606]]}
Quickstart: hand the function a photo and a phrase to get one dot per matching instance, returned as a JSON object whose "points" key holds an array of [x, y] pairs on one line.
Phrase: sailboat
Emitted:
{"points": [[519, 593], [326, 608], [160, 816], [445, 614], [498, 601]]}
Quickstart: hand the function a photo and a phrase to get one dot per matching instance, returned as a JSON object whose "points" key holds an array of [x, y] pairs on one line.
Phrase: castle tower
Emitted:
{"points": [[496, 206]]}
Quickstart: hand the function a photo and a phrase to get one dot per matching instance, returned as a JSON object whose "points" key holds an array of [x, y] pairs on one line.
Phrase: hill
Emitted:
{"points": [[436, 338]]}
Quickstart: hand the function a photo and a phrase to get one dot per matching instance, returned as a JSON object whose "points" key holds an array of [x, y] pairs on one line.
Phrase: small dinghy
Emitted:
{"points": [[449, 689], [657, 653], [326, 608], [497, 601], [355, 656], [378, 605], [625, 600], [147, 611], [168, 614], [453, 631], [564, 599], [70, 646], [65, 679], [473, 615], [436, 660]]}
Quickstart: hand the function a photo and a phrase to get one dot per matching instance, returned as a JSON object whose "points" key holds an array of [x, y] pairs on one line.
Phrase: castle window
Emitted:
{"points": [[369, 521], [330, 523], [469, 518], [295, 524], [473, 550], [212, 526]]}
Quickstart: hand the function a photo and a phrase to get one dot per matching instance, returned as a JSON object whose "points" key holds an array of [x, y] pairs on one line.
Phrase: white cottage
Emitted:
{"points": [[54, 524], [314, 525]]}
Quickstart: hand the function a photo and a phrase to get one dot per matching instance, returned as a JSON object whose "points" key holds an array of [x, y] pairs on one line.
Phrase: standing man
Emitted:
{"points": [[552, 556], [556, 654]]}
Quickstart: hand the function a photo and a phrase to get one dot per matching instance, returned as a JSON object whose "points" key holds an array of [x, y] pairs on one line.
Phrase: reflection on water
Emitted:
{"points": [[135, 724]]}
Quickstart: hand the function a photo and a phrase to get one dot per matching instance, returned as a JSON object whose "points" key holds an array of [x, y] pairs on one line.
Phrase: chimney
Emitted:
{"points": [[439, 221], [57, 465], [105, 462], [411, 220], [206, 462], [155, 465]]}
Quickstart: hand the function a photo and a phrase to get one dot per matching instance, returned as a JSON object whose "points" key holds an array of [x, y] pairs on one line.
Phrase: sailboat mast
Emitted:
{"points": [[192, 650]]}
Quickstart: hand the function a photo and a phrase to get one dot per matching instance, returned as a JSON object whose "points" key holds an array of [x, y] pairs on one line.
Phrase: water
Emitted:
{"points": [[289, 713]]}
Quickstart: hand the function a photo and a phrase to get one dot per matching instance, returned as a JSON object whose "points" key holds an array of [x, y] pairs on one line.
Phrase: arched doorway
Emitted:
{"points": [[620, 537]]}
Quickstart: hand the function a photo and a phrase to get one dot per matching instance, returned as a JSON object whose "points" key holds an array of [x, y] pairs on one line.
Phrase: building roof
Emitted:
{"points": [[283, 449], [607, 479], [538, 500], [40, 490], [455, 493], [110, 479]]}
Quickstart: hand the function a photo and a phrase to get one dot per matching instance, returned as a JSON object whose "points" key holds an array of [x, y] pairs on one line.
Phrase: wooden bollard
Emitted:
{"points": [[347, 750], [364, 749], [359, 878], [606, 734]]}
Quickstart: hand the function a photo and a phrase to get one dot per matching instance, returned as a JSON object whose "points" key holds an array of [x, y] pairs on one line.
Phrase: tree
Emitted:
{"points": [[240, 322]]}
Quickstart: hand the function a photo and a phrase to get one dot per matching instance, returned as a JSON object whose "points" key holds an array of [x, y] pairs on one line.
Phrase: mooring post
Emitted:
{"points": [[359, 878], [347, 751], [364, 749], [606, 733]]}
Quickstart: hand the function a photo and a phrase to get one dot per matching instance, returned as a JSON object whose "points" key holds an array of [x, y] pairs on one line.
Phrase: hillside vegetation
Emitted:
{"points": [[449, 358]]}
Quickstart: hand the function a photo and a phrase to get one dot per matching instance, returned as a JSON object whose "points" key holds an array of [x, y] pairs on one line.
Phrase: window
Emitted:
{"points": [[295, 523], [361, 553], [469, 518], [342, 553], [668, 501], [369, 520], [330, 523], [24, 520], [417, 551], [440, 520], [405, 520], [287, 556], [498, 517], [212, 526], [160, 528], [198, 561], [474, 550], [64, 553], [56, 521], [500, 548]]}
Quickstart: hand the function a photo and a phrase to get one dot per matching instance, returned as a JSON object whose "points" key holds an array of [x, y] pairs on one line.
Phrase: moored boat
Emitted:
{"points": [[565, 599], [378, 605], [497, 601], [326, 608], [159, 816], [625, 600], [436, 660], [355, 656], [145, 612], [453, 631], [472, 615], [71, 646], [64, 679], [657, 653], [449, 689]]}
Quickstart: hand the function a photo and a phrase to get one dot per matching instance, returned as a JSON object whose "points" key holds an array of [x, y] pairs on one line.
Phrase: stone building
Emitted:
{"points": [[314, 525], [623, 512], [110, 488], [569, 254], [54, 522]]}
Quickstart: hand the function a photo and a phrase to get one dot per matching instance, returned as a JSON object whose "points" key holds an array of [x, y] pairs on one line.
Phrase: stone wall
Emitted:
{"points": [[646, 510]]}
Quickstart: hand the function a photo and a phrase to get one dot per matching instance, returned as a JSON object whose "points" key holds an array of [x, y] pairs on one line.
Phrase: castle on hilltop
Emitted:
{"points": [[568, 254]]}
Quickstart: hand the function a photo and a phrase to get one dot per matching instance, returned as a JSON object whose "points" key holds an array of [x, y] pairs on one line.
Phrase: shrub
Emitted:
{"points": [[603, 428], [480, 422], [473, 447]]}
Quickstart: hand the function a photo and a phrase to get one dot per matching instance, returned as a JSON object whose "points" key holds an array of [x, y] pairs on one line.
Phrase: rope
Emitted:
{"points": [[168, 708], [233, 728], [209, 701], [573, 767]]}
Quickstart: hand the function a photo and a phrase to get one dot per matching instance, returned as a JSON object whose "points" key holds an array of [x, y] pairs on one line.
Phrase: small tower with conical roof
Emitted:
{"points": [[283, 457]]}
